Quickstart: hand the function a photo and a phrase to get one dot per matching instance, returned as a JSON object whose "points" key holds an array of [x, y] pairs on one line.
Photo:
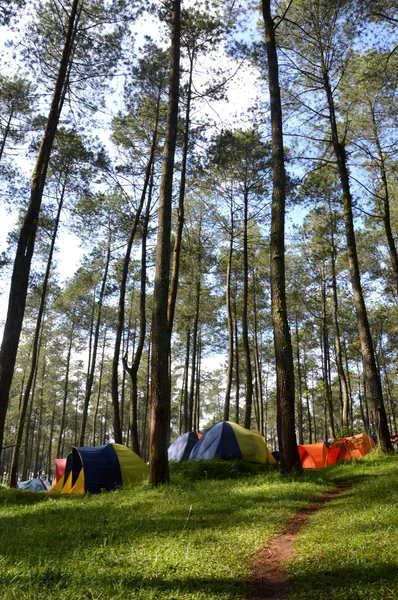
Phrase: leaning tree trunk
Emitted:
{"points": [[372, 376], [160, 388], [289, 456], [35, 346], [27, 236]]}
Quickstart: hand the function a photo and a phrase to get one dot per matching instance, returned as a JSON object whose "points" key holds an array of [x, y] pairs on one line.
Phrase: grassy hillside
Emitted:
{"points": [[194, 538]]}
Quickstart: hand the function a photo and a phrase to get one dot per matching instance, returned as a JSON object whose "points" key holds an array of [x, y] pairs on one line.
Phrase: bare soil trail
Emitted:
{"points": [[269, 579]]}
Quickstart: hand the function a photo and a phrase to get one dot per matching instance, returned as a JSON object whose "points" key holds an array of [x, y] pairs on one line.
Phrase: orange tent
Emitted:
{"points": [[350, 447], [313, 456]]}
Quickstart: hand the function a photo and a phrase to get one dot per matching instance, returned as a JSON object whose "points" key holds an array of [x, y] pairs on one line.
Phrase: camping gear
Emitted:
{"points": [[180, 449], [99, 468], [350, 447], [313, 456], [32, 485], [228, 440]]}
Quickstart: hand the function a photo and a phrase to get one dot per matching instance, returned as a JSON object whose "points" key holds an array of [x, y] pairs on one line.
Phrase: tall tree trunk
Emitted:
{"points": [[35, 345], [289, 456], [27, 236], [90, 378], [228, 384], [97, 402], [237, 366], [258, 361], [386, 200], [372, 375], [117, 430], [245, 329], [325, 369], [181, 199], [185, 383], [300, 388], [194, 353], [339, 358], [133, 369], [160, 388]]}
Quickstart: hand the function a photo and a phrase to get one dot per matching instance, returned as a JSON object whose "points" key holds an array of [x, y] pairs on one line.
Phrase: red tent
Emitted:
{"points": [[313, 456], [350, 447]]}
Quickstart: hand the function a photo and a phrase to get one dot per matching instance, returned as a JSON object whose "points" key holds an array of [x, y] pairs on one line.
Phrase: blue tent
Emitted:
{"points": [[32, 485], [180, 449], [229, 440]]}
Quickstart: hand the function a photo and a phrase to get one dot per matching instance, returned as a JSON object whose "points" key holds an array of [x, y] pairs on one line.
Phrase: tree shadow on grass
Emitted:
{"points": [[350, 582]]}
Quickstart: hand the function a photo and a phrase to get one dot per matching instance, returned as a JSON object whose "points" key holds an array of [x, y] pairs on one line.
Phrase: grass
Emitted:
{"points": [[194, 538], [349, 549]]}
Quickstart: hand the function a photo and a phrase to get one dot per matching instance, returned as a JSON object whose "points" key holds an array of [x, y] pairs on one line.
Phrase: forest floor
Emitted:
{"points": [[270, 577]]}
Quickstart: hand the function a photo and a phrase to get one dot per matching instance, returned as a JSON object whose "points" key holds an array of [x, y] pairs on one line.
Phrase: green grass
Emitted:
{"points": [[193, 539], [349, 548]]}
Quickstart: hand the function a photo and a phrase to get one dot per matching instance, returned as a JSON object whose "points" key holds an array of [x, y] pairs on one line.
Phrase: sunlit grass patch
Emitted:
{"points": [[349, 548], [188, 540]]}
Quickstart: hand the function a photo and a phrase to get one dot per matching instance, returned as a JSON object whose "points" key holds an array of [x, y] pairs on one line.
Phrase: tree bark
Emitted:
{"points": [[245, 329], [117, 429], [372, 376], [160, 386], [90, 378], [289, 456]]}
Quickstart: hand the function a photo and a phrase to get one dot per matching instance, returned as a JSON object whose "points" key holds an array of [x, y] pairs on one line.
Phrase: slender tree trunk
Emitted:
{"points": [[307, 401], [97, 402], [228, 385], [27, 236], [237, 367], [185, 383], [372, 375], [300, 388], [289, 459], [181, 199], [123, 284], [245, 329], [90, 378], [337, 343], [258, 362], [133, 369], [35, 345], [66, 389], [325, 342], [386, 200], [198, 383], [160, 386], [28, 428]]}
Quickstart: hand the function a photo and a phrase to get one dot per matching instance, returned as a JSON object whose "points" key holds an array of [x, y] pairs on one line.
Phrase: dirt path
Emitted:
{"points": [[269, 576]]}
